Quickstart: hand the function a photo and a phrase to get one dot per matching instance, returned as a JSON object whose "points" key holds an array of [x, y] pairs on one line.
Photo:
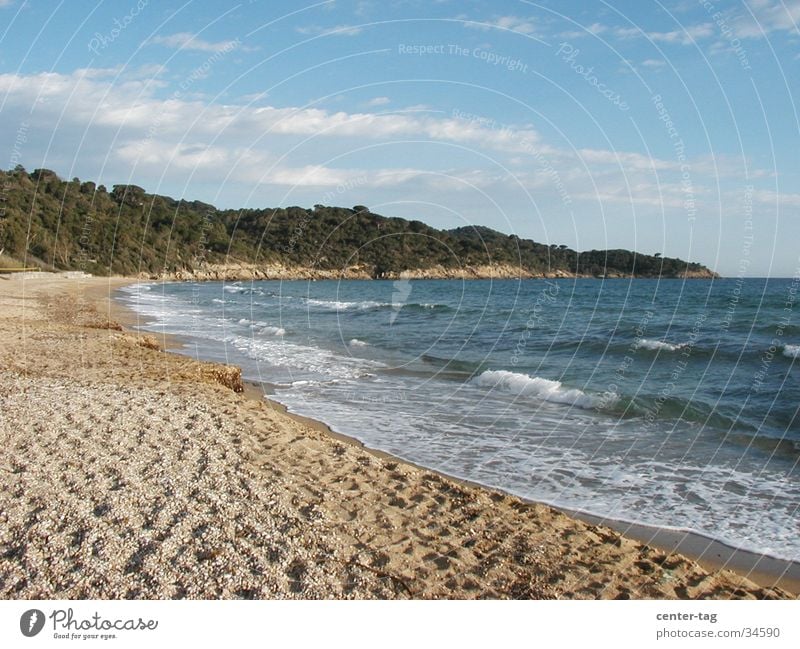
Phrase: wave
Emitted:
{"points": [[336, 305], [242, 290], [135, 289], [656, 345], [366, 305], [791, 351], [272, 331], [725, 350], [426, 306], [524, 385], [262, 327], [355, 342]]}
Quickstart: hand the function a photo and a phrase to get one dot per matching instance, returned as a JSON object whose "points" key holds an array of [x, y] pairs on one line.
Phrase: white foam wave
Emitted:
{"points": [[135, 289], [335, 305], [323, 364], [262, 327], [791, 351], [355, 342], [534, 386], [272, 331], [656, 345]]}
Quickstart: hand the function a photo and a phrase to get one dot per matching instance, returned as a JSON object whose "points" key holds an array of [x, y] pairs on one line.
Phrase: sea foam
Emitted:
{"points": [[272, 331], [791, 351], [655, 345], [335, 305], [262, 327], [534, 386]]}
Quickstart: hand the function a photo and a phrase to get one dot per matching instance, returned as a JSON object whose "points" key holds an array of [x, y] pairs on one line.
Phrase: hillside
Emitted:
{"points": [[74, 225]]}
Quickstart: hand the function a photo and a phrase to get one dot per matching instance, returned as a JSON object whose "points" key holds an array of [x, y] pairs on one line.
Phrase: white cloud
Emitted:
{"points": [[773, 198], [420, 108], [509, 23], [338, 30], [686, 36], [127, 130], [765, 16], [166, 154], [122, 120], [595, 29], [149, 71], [309, 176], [378, 101], [625, 160], [653, 63], [187, 41], [642, 195], [131, 108], [752, 19]]}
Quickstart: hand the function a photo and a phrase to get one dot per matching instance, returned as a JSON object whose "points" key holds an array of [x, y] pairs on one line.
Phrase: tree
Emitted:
{"points": [[130, 231]]}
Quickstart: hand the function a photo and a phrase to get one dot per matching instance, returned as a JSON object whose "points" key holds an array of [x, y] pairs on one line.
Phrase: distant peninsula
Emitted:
{"points": [[54, 224]]}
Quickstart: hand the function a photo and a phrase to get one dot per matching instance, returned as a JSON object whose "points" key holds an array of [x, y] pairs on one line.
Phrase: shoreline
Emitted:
{"points": [[565, 561], [710, 553]]}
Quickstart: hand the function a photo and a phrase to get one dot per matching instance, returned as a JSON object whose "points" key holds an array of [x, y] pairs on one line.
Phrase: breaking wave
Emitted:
{"points": [[656, 345], [524, 385], [791, 351]]}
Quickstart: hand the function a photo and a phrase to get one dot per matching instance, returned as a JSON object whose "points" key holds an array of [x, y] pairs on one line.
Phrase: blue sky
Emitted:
{"points": [[667, 127]]}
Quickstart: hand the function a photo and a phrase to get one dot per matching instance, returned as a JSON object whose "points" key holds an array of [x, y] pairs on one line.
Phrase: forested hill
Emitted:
{"points": [[74, 225]]}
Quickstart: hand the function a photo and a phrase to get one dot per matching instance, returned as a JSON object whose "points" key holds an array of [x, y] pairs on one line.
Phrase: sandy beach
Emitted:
{"points": [[128, 472]]}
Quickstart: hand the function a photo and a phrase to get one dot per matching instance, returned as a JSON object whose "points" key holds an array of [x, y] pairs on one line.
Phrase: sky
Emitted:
{"points": [[669, 127]]}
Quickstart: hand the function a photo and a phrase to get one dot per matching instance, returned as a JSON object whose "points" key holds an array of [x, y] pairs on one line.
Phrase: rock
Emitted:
{"points": [[228, 375], [242, 271]]}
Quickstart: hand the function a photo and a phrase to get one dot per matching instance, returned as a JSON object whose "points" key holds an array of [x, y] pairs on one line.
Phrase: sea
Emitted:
{"points": [[671, 403]]}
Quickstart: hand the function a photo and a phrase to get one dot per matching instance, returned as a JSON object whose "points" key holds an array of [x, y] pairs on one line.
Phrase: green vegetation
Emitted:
{"points": [[74, 225]]}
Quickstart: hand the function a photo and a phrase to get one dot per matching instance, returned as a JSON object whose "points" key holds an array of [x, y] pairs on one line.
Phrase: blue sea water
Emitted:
{"points": [[672, 403]]}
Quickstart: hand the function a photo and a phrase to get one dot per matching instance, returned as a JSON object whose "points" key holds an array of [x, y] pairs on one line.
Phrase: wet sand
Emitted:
{"points": [[127, 472]]}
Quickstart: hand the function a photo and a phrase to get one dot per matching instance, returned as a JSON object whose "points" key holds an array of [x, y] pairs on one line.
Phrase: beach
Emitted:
{"points": [[130, 472]]}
